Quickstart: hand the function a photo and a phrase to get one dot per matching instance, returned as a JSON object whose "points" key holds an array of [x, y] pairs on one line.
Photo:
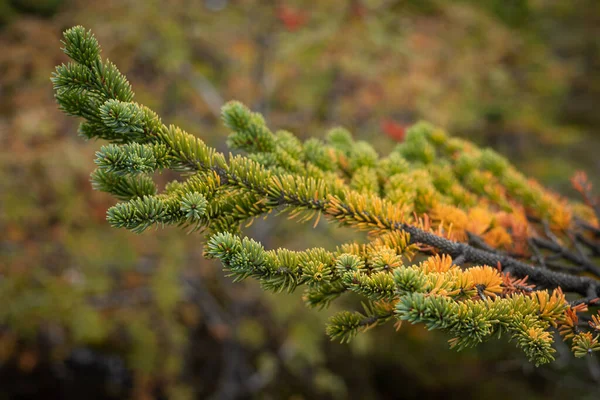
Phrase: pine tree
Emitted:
{"points": [[458, 239]]}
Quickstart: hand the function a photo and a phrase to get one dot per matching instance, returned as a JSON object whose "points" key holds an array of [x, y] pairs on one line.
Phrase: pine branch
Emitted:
{"points": [[431, 194]]}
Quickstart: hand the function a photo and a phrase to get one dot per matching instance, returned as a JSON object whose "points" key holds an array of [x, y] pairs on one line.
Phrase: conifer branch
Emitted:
{"points": [[465, 209]]}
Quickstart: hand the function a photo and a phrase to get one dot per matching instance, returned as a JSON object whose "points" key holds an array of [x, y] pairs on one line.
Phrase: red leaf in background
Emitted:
{"points": [[393, 129], [358, 9], [292, 18], [582, 184]]}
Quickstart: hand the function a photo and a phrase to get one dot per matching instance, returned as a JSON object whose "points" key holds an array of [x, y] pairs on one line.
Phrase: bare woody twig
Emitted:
{"points": [[541, 277]]}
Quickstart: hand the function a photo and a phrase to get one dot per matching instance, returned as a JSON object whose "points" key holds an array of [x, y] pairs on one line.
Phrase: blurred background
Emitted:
{"points": [[88, 311]]}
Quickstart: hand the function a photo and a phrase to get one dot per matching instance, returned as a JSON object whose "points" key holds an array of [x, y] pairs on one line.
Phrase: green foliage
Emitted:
{"points": [[347, 182], [249, 130], [122, 187]]}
